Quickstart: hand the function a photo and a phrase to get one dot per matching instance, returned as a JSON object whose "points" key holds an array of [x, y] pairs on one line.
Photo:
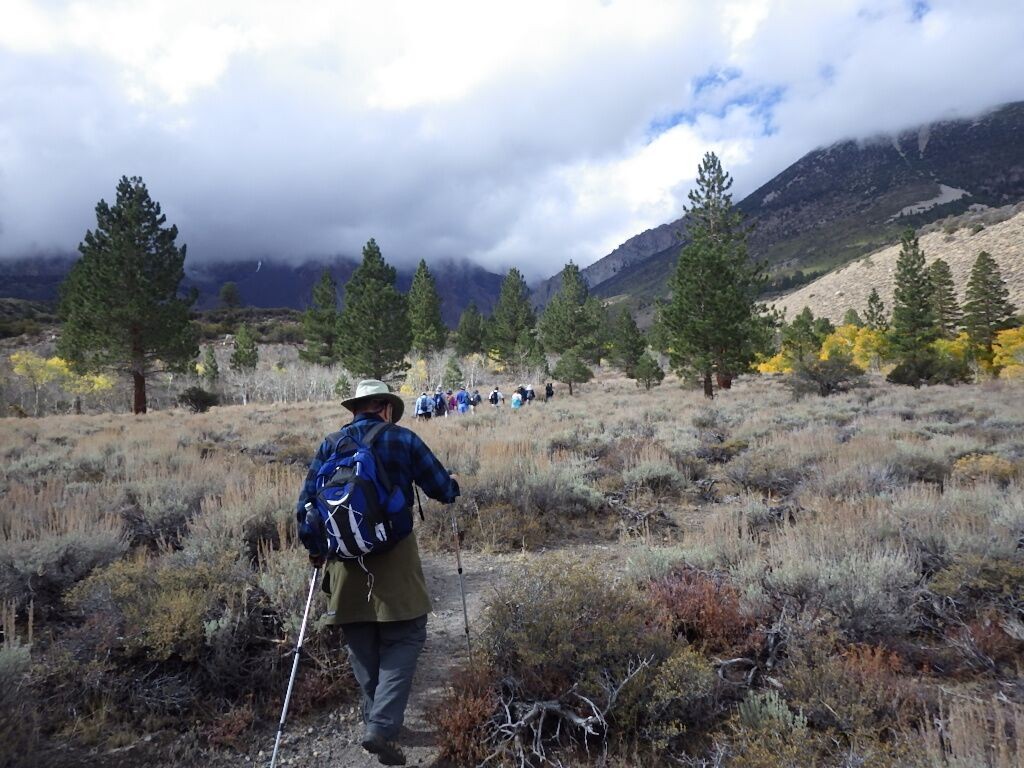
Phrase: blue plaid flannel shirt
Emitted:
{"points": [[406, 459]]}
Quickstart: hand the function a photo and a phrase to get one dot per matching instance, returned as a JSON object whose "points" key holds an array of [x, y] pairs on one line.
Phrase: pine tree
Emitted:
{"points": [[245, 355], [628, 343], [244, 358], [571, 369], [851, 317], [452, 376], [373, 329], [428, 331], [211, 371], [647, 371], [119, 304], [987, 309], [320, 323], [874, 315], [512, 317], [913, 315], [802, 339], [230, 298], [572, 318], [713, 319], [944, 304], [469, 336]]}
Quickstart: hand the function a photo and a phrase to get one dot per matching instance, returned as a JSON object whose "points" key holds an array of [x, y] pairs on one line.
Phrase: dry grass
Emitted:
{"points": [[887, 517]]}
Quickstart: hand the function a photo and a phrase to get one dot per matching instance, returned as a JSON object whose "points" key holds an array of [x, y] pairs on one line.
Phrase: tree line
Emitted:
{"points": [[123, 312]]}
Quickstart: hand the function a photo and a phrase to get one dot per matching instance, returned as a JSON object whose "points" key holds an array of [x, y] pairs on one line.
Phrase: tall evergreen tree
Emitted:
{"points": [[875, 317], [628, 343], [211, 371], [246, 355], [230, 298], [647, 371], [374, 335], [571, 369], [948, 315], [802, 339], [428, 330], [119, 304], [512, 320], [572, 318], [987, 309], [469, 336], [713, 319], [320, 323], [852, 317], [913, 314]]}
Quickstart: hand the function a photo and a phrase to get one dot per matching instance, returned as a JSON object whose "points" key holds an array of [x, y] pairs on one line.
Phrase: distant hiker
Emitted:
{"points": [[475, 399], [424, 406], [517, 400], [440, 404], [496, 398], [462, 400], [521, 391], [529, 396], [549, 391], [452, 404], [380, 601]]}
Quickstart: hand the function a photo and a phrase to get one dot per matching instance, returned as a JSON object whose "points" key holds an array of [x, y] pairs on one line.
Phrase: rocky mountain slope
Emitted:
{"points": [[841, 202], [849, 286]]}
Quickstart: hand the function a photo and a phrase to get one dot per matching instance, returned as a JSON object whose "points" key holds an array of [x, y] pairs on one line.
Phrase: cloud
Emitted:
{"points": [[522, 134]]}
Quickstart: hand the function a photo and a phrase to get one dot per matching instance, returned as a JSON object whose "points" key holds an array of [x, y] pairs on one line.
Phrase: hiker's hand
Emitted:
{"points": [[318, 561]]}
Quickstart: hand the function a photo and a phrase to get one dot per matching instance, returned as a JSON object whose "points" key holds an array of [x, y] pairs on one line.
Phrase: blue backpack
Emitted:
{"points": [[357, 510]]}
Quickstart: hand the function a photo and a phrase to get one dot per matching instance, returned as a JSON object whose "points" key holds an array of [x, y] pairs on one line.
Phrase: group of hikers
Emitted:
{"points": [[442, 402]]}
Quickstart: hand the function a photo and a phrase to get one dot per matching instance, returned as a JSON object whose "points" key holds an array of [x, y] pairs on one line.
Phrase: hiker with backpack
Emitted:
{"points": [[529, 396], [475, 399], [549, 391], [373, 574], [424, 406], [495, 398], [462, 400], [440, 404]]}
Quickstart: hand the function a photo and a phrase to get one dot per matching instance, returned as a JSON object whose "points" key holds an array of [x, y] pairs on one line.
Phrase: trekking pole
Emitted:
{"points": [[458, 560], [462, 583], [295, 667]]}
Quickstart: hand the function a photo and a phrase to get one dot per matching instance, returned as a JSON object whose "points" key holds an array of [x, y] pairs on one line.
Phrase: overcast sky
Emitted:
{"points": [[523, 133]]}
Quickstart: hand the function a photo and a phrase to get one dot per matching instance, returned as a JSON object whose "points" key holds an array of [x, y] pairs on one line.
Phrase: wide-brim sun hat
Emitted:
{"points": [[373, 389]]}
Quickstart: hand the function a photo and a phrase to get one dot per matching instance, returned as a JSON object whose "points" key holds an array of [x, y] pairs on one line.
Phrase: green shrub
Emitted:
{"points": [[42, 570], [658, 477], [161, 607], [766, 470], [198, 400], [827, 377]]}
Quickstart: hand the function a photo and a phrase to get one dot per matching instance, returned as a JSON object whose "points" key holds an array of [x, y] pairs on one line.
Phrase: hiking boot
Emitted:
{"points": [[387, 752]]}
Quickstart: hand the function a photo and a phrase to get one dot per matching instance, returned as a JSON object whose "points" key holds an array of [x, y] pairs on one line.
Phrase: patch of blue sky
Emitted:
{"points": [[760, 101]]}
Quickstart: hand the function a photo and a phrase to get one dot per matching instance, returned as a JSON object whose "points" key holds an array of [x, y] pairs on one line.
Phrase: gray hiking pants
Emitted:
{"points": [[383, 657]]}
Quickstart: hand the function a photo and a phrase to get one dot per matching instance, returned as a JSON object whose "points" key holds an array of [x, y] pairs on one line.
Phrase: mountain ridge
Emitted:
{"points": [[840, 202]]}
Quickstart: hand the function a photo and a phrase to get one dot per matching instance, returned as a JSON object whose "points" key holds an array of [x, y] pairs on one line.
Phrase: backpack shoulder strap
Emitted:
{"points": [[372, 434]]}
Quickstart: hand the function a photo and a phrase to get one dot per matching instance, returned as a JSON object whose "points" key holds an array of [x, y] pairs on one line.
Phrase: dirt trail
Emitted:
{"points": [[333, 738]]}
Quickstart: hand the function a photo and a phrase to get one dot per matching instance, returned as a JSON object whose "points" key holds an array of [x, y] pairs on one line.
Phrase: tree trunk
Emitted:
{"points": [[78, 405], [139, 403], [709, 391], [724, 380], [570, 388]]}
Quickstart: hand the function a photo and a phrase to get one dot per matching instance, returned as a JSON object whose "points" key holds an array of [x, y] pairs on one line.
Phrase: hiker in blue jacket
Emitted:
{"points": [[462, 400], [385, 630]]}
